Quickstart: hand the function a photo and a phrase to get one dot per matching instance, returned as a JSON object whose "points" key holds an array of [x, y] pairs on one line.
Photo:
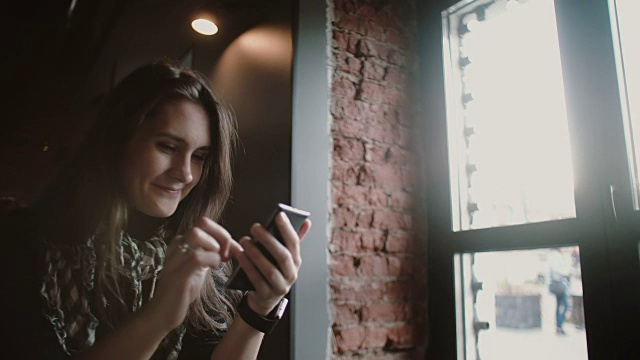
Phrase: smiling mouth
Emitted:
{"points": [[169, 190]]}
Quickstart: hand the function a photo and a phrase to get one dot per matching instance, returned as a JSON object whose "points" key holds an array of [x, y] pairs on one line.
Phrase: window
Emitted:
{"points": [[506, 114], [627, 52], [532, 141]]}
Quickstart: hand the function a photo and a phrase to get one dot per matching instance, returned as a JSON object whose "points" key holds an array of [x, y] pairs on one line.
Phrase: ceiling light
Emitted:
{"points": [[204, 26]]}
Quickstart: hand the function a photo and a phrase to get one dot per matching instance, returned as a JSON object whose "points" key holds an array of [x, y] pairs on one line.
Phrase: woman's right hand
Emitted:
{"points": [[204, 246]]}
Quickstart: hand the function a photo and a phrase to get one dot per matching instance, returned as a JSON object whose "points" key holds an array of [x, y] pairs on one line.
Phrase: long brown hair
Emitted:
{"points": [[87, 194]]}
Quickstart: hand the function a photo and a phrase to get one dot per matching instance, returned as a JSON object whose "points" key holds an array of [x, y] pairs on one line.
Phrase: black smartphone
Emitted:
{"points": [[238, 279]]}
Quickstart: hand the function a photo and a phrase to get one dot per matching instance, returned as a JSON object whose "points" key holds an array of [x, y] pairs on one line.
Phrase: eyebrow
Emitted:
{"points": [[181, 140]]}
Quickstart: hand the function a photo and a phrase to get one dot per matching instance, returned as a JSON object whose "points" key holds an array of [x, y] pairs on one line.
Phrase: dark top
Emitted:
{"points": [[30, 334]]}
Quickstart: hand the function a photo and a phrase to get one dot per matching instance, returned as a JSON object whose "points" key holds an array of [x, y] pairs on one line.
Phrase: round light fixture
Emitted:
{"points": [[204, 26]]}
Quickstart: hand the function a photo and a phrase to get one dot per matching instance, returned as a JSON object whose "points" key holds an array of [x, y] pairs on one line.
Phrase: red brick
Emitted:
{"points": [[344, 87], [373, 71], [372, 240], [376, 153], [342, 265], [377, 197], [361, 289], [396, 354], [398, 156], [375, 31], [381, 175], [378, 266], [350, 22], [379, 51], [402, 336], [345, 241], [343, 216], [348, 64], [395, 38], [399, 242], [386, 219], [349, 195], [397, 58], [348, 6], [373, 92], [382, 133], [400, 199], [385, 312], [396, 97], [349, 339], [375, 338], [375, 273], [379, 13], [337, 105], [365, 218], [345, 172], [367, 11], [340, 39], [346, 315], [350, 128], [348, 149], [363, 111], [395, 77], [366, 48]]}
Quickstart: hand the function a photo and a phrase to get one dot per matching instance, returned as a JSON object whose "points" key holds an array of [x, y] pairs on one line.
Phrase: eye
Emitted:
{"points": [[166, 147], [198, 157]]}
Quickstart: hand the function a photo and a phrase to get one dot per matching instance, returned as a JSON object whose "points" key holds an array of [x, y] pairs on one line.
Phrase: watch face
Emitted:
{"points": [[282, 306]]}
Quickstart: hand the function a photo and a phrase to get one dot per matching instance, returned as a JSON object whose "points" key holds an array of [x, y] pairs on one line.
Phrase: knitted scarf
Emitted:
{"points": [[69, 284]]}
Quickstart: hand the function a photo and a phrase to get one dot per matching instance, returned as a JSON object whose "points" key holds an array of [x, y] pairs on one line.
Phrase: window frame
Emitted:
{"points": [[599, 155]]}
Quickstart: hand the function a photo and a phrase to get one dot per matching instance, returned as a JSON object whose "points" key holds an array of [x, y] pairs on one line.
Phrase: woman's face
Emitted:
{"points": [[165, 157]]}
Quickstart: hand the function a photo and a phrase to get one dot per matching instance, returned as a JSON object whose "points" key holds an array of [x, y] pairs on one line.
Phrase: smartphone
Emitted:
{"points": [[238, 279]]}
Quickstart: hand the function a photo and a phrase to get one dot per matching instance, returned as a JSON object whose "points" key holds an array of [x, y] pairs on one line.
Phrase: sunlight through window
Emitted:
{"points": [[627, 49], [510, 156]]}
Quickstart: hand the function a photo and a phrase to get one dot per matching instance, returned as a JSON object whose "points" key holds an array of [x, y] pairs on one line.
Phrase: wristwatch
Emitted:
{"points": [[262, 324]]}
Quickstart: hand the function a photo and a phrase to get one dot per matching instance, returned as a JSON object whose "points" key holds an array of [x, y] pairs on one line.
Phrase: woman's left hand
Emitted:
{"points": [[271, 282]]}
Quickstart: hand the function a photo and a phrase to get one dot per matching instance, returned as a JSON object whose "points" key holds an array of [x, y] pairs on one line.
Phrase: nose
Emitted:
{"points": [[182, 170]]}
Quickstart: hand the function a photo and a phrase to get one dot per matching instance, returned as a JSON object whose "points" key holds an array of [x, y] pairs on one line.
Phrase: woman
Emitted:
{"points": [[122, 258]]}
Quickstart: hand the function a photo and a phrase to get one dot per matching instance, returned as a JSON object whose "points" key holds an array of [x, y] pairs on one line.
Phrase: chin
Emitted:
{"points": [[160, 211]]}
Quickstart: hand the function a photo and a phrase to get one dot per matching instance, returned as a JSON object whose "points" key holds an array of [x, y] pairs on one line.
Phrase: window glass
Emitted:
{"points": [[627, 49], [524, 304], [509, 150]]}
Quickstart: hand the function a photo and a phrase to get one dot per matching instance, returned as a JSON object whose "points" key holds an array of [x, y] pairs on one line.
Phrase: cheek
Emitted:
{"points": [[140, 166]]}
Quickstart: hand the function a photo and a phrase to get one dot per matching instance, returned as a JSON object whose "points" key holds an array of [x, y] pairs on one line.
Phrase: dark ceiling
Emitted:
{"points": [[51, 45], [53, 48]]}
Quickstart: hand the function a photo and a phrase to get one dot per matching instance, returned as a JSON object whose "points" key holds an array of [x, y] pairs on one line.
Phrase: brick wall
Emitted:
{"points": [[377, 264]]}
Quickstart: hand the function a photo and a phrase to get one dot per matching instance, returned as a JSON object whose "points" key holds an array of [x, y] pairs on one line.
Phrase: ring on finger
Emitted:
{"points": [[184, 246]]}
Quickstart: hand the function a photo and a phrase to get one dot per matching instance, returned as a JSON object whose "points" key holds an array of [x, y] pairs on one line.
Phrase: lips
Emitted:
{"points": [[169, 190]]}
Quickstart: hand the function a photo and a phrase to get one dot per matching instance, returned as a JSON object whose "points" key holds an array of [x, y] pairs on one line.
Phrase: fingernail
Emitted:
{"points": [[283, 217]]}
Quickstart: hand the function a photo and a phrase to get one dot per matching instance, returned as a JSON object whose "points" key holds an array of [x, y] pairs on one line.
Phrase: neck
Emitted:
{"points": [[141, 226]]}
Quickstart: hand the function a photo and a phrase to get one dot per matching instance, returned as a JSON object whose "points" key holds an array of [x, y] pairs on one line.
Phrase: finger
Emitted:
{"points": [[201, 259], [253, 274], [264, 296], [270, 284], [304, 229], [218, 232], [197, 238], [289, 236], [279, 276], [271, 244], [240, 250], [188, 261]]}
